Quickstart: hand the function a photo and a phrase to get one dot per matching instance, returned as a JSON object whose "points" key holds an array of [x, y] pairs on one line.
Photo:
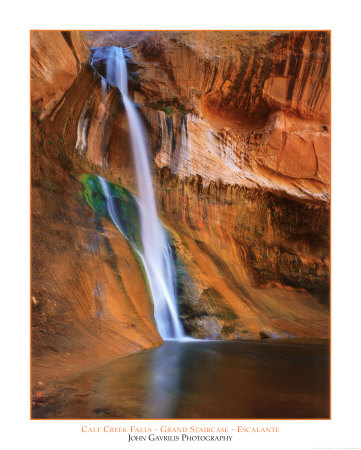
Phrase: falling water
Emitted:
{"points": [[156, 253]]}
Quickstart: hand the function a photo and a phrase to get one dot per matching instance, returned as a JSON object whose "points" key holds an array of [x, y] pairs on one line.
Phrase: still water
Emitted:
{"points": [[200, 380]]}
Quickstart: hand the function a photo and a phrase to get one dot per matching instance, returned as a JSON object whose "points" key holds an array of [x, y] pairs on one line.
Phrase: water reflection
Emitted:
{"points": [[165, 377], [201, 380]]}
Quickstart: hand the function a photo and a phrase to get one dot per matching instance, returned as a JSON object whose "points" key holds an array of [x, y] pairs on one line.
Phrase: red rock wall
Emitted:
{"points": [[266, 95], [239, 129], [88, 297], [239, 124], [55, 59]]}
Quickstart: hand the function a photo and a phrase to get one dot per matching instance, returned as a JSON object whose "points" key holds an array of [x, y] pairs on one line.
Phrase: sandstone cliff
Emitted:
{"points": [[239, 125], [258, 101], [239, 129], [89, 299]]}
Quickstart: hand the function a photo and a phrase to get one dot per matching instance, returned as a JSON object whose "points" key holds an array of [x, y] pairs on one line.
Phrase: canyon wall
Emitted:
{"points": [[258, 101], [89, 299], [239, 125], [239, 132]]}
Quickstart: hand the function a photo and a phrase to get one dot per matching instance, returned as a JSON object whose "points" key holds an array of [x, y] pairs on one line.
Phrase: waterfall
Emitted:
{"points": [[156, 253], [81, 133]]}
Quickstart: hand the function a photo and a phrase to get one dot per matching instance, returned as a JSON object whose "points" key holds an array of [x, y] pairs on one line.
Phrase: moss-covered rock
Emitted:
{"points": [[124, 202]]}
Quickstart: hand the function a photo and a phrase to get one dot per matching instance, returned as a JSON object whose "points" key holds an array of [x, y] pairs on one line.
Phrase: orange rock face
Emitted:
{"points": [[239, 130], [256, 264], [239, 75], [259, 101], [89, 299], [55, 57]]}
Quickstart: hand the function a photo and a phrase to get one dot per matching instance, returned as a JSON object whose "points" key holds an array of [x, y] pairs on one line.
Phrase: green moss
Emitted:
{"points": [[127, 214], [167, 110], [93, 195], [48, 184], [61, 139], [169, 106], [125, 204], [64, 159]]}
